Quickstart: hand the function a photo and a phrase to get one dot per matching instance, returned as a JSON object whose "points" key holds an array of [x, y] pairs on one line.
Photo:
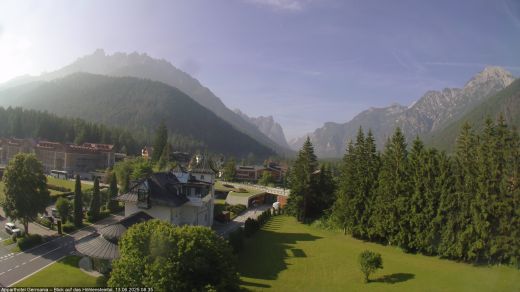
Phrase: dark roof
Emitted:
{"points": [[162, 190], [103, 245], [98, 247]]}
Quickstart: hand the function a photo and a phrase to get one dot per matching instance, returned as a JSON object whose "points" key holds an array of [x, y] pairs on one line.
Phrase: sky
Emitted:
{"points": [[305, 62]]}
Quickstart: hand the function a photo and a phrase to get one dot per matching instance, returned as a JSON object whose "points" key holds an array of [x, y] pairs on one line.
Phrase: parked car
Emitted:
{"points": [[11, 228]]}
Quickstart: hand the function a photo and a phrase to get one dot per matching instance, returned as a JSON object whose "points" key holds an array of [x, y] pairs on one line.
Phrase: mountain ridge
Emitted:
{"points": [[433, 111], [136, 104], [143, 66]]}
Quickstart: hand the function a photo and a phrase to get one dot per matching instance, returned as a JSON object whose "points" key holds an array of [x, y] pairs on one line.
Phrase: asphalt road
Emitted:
{"points": [[16, 267]]}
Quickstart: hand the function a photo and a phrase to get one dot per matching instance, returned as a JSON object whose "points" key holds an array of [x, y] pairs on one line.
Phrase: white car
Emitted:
{"points": [[11, 228]]}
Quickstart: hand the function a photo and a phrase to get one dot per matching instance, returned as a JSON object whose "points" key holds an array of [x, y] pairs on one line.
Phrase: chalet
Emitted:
{"points": [[181, 197]]}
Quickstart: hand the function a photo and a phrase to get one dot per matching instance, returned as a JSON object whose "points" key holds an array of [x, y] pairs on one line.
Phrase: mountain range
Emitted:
{"points": [[144, 66], [136, 104], [435, 117], [434, 111]]}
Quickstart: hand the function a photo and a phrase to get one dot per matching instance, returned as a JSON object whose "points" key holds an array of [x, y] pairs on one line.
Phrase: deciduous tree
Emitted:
{"points": [[26, 193]]}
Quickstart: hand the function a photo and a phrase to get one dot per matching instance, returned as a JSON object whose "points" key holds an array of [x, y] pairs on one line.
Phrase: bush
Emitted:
{"points": [[29, 241], [229, 186], [68, 227], [236, 239], [242, 190], [250, 226], [236, 209], [369, 262]]}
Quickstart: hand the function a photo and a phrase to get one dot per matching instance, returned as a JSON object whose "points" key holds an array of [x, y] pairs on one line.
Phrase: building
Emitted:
{"points": [[255, 172], [74, 159], [147, 152], [180, 197], [249, 173], [13, 146]]}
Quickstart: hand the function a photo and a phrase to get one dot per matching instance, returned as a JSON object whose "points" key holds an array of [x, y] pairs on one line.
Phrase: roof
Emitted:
{"points": [[163, 190], [103, 245], [201, 164]]}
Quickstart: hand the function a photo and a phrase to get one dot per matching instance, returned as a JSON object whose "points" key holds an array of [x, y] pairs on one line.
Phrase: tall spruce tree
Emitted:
{"points": [[78, 203], [393, 193], [424, 201], [112, 194], [303, 182], [160, 141], [95, 203], [466, 186], [342, 212]]}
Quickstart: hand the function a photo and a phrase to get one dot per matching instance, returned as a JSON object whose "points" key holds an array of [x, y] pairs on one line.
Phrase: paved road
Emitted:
{"points": [[225, 228], [16, 267]]}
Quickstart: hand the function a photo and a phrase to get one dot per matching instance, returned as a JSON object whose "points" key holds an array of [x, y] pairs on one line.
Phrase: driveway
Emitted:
{"points": [[225, 228]]}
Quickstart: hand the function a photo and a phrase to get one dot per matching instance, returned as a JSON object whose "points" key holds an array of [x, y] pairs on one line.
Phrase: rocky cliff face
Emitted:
{"points": [[268, 126], [433, 111]]}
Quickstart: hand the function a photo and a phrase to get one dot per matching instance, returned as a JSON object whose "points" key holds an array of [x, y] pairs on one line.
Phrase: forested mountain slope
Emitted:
{"points": [[138, 105]]}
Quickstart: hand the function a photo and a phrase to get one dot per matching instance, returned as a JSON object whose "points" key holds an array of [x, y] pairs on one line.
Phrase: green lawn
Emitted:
{"points": [[289, 256], [64, 273], [70, 184]]}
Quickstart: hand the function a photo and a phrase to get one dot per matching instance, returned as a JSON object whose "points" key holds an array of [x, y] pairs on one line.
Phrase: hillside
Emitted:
{"points": [[134, 104], [144, 66], [434, 111], [505, 102]]}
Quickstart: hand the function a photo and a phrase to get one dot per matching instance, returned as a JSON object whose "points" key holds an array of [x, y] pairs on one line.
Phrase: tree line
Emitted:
{"points": [[464, 206], [24, 123]]}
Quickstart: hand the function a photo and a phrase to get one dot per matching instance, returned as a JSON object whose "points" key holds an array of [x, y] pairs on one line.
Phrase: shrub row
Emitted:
{"points": [[29, 241], [237, 209]]}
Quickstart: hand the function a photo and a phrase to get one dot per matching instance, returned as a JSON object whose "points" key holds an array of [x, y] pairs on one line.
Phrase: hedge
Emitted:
{"points": [[29, 241]]}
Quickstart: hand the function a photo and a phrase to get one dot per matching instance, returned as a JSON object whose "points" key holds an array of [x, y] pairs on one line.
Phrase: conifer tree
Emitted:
{"points": [[78, 203], [342, 214], [112, 194], [393, 193], [95, 204], [160, 141], [302, 182], [466, 187]]}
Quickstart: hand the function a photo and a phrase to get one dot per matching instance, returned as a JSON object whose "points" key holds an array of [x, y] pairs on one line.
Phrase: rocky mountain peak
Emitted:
{"points": [[268, 126], [491, 74]]}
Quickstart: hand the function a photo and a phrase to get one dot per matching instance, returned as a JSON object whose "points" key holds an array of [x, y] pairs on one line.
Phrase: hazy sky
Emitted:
{"points": [[303, 61]]}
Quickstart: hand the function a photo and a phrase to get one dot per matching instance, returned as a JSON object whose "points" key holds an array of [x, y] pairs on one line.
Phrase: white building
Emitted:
{"points": [[180, 197]]}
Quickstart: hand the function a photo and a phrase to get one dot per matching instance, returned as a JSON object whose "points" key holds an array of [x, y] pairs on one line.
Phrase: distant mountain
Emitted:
{"points": [[135, 104], [143, 66], [506, 103], [268, 126], [432, 112]]}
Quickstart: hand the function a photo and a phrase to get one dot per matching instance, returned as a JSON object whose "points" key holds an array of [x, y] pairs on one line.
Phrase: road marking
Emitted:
{"points": [[17, 267], [44, 254], [36, 271], [2, 273], [24, 263], [9, 270]]}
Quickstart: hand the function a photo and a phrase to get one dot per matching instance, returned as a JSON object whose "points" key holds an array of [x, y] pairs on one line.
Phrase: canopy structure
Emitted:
{"points": [[103, 244]]}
